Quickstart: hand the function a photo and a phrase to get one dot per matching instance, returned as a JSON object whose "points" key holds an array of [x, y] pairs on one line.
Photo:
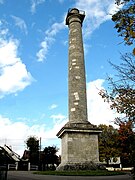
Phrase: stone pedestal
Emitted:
{"points": [[79, 143]]}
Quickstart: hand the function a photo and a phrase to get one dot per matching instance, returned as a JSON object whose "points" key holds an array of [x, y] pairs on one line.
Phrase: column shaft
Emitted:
{"points": [[76, 76]]}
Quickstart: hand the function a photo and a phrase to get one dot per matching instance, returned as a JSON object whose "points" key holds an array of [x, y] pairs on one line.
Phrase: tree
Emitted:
{"points": [[125, 21], [108, 143], [122, 89], [121, 95], [33, 147], [50, 157], [126, 143]]}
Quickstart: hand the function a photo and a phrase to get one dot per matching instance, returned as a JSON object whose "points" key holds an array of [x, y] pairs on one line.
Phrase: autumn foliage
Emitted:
{"points": [[119, 142], [126, 143]]}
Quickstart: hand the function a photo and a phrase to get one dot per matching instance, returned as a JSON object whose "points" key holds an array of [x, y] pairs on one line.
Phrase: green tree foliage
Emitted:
{"points": [[33, 147], [32, 143], [50, 157], [122, 89], [125, 21], [108, 143], [126, 143]]}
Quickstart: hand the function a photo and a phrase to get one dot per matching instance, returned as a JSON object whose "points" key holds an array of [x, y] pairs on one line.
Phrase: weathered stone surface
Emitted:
{"points": [[79, 145], [77, 104], [79, 127], [80, 166], [79, 138]]}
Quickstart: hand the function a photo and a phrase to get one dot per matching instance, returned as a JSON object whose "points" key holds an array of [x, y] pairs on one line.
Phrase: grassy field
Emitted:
{"points": [[80, 173]]}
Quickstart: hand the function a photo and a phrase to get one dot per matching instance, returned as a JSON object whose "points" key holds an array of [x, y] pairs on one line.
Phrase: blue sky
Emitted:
{"points": [[34, 66]]}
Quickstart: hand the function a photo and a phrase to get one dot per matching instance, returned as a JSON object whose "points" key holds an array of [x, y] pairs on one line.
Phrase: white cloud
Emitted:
{"points": [[3, 30], [49, 39], [34, 4], [15, 134], [12, 134], [19, 22], [97, 12], [53, 106], [99, 112], [57, 119], [41, 54], [8, 50], [14, 76]]}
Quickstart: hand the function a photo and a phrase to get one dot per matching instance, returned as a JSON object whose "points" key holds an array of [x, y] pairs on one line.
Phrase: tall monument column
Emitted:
{"points": [[79, 138], [76, 72]]}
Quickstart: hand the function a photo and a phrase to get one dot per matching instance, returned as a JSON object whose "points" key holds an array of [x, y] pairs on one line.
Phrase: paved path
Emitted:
{"points": [[26, 175]]}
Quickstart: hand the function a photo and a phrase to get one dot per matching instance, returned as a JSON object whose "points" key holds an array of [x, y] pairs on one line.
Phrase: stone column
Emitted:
{"points": [[76, 69], [79, 138]]}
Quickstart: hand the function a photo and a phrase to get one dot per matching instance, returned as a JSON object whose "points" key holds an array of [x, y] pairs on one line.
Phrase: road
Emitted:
{"points": [[27, 175]]}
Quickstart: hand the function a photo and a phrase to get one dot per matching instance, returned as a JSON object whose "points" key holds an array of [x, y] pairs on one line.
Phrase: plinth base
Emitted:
{"points": [[80, 166], [79, 145]]}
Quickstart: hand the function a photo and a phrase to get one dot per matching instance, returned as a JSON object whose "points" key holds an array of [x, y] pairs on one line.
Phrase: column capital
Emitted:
{"points": [[75, 15]]}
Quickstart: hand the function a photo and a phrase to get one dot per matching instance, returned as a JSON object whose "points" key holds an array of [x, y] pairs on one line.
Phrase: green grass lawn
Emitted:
{"points": [[80, 173]]}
